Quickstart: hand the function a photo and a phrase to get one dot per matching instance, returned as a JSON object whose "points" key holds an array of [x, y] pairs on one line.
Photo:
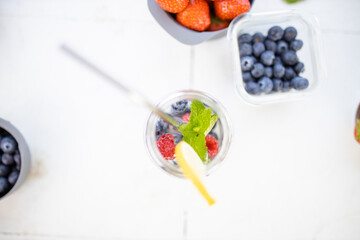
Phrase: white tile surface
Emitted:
{"points": [[293, 171]]}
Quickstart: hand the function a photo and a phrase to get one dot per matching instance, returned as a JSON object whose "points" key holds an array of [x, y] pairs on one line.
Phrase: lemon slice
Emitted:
{"points": [[193, 168]]}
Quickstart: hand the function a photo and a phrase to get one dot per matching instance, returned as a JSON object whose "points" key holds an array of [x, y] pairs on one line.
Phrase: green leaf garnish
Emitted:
{"points": [[200, 124]]}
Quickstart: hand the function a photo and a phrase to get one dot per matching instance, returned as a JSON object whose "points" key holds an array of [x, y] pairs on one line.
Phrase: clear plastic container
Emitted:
{"points": [[310, 54], [222, 127]]}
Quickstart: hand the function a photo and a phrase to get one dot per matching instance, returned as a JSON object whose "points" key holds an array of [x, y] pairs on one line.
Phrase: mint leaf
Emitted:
{"points": [[200, 124], [213, 120]]}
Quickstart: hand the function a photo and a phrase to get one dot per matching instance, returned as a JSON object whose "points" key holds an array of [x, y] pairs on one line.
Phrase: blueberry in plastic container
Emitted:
{"points": [[299, 83], [252, 88], [296, 45], [247, 62], [247, 77], [299, 68], [278, 70], [281, 47], [286, 86], [289, 58], [268, 72], [270, 45], [289, 73], [275, 33], [245, 49], [278, 85], [266, 85], [245, 38], [258, 49], [290, 34], [258, 70], [258, 37], [267, 58]]}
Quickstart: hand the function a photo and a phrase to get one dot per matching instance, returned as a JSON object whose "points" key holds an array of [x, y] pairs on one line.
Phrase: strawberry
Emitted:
{"points": [[218, 24], [195, 16], [229, 9], [357, 130], [173, 6]]}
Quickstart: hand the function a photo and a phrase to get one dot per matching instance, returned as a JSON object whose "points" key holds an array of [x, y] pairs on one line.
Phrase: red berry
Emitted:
{"points": [[229, 9], [173, 6], [185, 118], [166, 146], [212, 146], [195, 16]]}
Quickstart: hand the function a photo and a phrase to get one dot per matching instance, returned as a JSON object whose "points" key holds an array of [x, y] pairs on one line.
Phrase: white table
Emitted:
{"points": [[293, 171]]}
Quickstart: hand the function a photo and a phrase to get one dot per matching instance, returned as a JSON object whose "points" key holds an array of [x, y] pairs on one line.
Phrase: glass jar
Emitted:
{"points": [[222, 130]]}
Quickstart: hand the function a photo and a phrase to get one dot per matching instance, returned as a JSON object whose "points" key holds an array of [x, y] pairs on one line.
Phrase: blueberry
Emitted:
{"points": [[281, 47], [245, 49], [286, 86], [247, 63], [289, 73], [4, 185], [13, 177], [4, 170], [244, 38], [7, 159], [8, 145], [275, 33], [258, 49], [266, 85], [267, 58], [258, 37], [289, 34], [252, 88], [17, 158], [277, 60], [270, 45], [258, 70], [214, 135], [289, 58], [278, 84], [179, 106], [299, 68], [299, 83], [161, 126], [268, 72], [278, 70], [247, 77], [296, 45]]}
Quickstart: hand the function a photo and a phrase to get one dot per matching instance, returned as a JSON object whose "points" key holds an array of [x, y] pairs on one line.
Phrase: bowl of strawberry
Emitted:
{"points": [[194, 21], [14, 159]]}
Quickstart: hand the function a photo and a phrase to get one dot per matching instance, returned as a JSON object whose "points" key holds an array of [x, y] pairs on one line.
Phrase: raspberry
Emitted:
{"points": [[166, 146], [212, 146], [186, 117]]}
